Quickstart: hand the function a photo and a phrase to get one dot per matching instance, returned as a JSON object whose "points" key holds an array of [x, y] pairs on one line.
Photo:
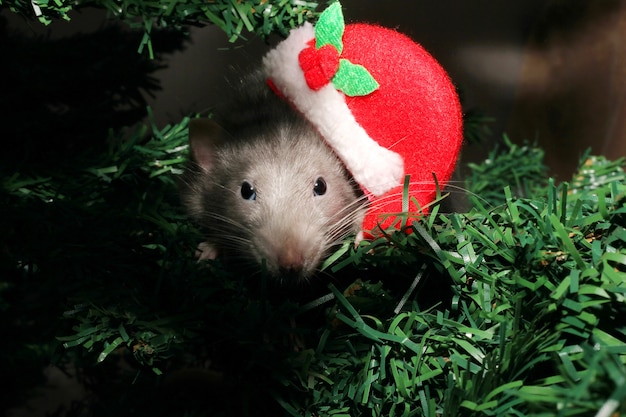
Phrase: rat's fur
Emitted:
{"points": [[261, 139]]}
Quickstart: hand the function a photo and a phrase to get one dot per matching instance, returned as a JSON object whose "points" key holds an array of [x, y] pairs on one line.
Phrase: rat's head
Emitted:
{"points": [[273, 195]]}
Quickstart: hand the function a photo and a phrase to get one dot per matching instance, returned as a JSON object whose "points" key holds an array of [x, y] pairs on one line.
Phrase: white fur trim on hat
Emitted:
{"points": [[375, 168]]}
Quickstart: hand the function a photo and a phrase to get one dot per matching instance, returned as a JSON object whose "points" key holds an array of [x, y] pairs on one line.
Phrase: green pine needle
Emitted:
{"points": [[512, 308], [235, 18]]}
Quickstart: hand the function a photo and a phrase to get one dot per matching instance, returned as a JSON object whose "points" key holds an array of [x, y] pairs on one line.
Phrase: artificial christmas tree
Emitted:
{"points": [[513, 307]]}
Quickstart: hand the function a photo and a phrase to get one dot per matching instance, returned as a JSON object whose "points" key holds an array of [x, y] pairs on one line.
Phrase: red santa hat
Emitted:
{"points": [[380, 101]]}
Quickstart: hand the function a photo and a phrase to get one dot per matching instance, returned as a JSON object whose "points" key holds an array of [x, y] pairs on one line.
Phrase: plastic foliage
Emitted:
{"points": [[533, 326], [512, 308], [235, 18]]}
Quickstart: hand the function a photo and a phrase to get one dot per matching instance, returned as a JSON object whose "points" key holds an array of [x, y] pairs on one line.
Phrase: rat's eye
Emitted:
{"points": [[319, 187], [247, 191]]}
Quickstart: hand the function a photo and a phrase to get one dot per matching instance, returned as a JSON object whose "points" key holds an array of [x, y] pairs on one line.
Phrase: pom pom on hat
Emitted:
{"points": [[382, 103]]}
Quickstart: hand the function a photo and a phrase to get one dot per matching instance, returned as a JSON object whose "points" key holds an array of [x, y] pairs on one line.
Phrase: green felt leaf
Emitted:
{"points": [[329, 28], [354, 80]]}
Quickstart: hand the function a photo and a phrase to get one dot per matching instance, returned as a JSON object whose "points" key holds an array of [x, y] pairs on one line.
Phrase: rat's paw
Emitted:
{"points": [[205, 251]]}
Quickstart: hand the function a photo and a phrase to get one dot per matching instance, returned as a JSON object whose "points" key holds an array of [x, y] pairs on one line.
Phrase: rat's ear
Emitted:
{"points": [[204, 136]]}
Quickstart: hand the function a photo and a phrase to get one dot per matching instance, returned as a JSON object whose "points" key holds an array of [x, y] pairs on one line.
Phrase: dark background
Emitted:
{"points": [[546, 71]]}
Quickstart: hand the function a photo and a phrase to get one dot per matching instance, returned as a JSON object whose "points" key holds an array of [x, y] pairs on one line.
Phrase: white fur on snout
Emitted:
{"points": [[288, 250]]}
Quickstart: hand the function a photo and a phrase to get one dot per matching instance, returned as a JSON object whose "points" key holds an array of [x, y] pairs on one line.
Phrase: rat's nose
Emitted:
{"points": [[290, 261]]}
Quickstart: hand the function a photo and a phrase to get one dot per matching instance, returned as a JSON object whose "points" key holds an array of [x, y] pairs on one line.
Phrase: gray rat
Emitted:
{"points": [[266, 187]]}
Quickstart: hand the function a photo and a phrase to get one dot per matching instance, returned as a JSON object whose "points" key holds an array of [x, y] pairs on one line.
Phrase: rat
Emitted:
{"points": [[266, 187]]}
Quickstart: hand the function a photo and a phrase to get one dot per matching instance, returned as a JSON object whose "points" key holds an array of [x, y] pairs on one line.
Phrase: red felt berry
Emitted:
{"points": [[319, 65]]}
